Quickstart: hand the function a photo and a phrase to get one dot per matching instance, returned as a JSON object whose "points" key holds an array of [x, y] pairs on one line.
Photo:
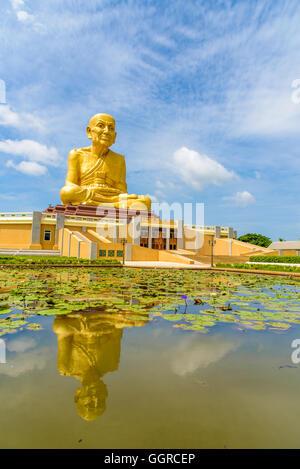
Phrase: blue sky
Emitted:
{"points": [[204, 93]]}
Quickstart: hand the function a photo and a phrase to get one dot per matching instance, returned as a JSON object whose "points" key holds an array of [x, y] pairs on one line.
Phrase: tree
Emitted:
{"points": [[257, 239]]}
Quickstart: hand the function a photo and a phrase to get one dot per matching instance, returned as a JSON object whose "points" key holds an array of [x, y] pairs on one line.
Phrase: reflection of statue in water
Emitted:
{"points": [[96, 175], [89, 346]]}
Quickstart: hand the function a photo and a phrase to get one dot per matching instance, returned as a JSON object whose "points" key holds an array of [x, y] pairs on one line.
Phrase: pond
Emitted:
{"points": [[132, 358]]}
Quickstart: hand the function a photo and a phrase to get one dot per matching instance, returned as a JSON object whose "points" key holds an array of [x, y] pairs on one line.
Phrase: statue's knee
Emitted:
{"points": [[146, 201], [67, 194]]}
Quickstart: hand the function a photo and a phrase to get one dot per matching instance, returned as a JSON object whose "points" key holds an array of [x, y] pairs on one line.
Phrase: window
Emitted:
{"points": [[119, 253], [102, 253], [47, 235], [111, 253]]}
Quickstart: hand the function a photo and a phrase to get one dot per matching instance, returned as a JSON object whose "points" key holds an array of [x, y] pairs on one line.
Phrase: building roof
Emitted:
{"points": [[293, 245]]}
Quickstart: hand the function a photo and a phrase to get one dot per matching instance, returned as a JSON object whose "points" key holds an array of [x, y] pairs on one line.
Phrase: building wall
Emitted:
{"points": [[111, 251], [164, 256], [222, 246], [283, 252], [84, 252], [65, 245], [140, 253], [47, 244], [73, 246], [15, 236]]}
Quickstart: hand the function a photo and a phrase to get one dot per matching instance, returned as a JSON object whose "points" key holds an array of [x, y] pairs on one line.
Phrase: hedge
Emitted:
{"points": [[277, 259], [46, 260], [274, 268]]}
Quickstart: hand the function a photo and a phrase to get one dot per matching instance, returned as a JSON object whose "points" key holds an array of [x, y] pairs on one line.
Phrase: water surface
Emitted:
{"points": [[148, 359]]}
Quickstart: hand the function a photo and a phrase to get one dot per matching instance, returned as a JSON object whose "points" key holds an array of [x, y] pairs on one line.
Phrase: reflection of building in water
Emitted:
{"points": [[89, 346]]}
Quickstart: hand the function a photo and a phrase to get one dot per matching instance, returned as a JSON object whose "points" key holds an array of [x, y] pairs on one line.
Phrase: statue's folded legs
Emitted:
{"points": [[72, 194]]}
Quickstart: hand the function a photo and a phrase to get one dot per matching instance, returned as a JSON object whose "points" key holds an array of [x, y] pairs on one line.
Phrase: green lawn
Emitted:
{"points": [[54, 260], [274, 268]]}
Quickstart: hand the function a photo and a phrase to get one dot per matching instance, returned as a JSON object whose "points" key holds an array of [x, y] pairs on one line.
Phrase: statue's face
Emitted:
{"points": [[102, 130]]}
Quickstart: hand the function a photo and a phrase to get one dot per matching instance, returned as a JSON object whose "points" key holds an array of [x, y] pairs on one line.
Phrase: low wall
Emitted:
{"points": [[15, 236], [139, 253]]}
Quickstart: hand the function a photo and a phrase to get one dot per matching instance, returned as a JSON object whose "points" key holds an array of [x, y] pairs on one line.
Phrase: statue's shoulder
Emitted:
{"points": [[79, 153], [116, 156]]}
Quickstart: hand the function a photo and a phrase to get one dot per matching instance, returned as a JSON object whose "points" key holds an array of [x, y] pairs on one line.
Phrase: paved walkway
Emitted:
{"points": [[164, 265]]}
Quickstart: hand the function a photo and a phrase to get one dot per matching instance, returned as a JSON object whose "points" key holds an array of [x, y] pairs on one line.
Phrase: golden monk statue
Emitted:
{"points": [[96, 175], [89, 346]]}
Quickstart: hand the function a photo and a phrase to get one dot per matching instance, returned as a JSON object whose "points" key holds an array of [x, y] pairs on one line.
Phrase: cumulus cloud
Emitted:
{"points": [[199, 170], [31, 150], [8, 117], [16, 4], [242, 199], [21, 345], [24, 16], [28, 167], [26, 362]]}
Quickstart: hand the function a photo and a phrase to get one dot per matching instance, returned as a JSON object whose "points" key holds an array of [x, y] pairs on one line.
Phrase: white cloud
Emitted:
{"points": [[8, 197], [26, 362], [16, 4], [192, 355], [8, 117], [266, 111], [24, 16], [242, 199], [152, 197], [32, 150], [21, 345], [199, 170], [159, 184], [28, 167]]}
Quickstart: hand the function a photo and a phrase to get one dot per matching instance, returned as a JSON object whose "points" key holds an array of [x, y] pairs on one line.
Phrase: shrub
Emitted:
{"points": [[53, 260], [277, 259], [274, 268]]}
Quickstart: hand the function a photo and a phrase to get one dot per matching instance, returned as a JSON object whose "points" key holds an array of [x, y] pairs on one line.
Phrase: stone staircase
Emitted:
{"points": [[28, 252]]}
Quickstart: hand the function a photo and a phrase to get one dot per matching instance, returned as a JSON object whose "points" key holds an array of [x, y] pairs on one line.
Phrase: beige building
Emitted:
{"points": [[90, 233], [285, 248]]}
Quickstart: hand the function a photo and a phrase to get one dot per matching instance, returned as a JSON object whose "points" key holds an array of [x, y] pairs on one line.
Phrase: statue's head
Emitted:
{"points": [[91, 400], [101, 130]]}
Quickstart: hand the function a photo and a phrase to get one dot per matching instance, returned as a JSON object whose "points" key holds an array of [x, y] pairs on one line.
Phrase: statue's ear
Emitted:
{"points": [[115, 137], [88, 131]]}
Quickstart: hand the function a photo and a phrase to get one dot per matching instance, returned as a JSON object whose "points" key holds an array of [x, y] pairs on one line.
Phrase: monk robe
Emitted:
{"points": [[106, 178]]}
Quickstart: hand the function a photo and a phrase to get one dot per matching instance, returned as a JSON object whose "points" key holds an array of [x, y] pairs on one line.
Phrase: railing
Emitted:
{"points": [[16, 215], [207, 228], [91, 219]]}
